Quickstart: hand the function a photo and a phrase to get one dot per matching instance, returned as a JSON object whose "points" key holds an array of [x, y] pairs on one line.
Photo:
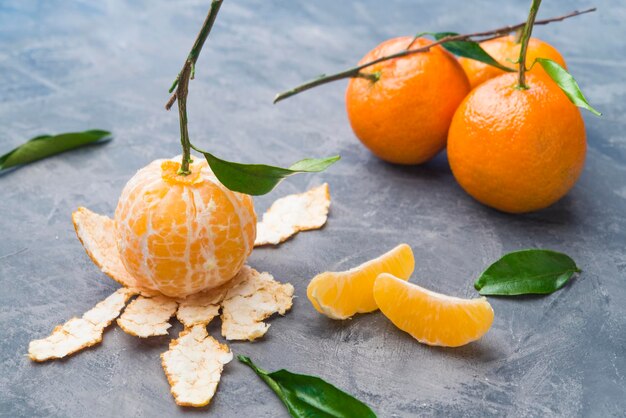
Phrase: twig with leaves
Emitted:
{"points": [[469, 38], [181, 83], [253, 179]]}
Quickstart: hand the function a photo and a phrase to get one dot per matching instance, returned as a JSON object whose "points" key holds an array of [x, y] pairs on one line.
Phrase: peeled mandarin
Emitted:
{"points": [[340, 295], [432, 318], [182, 234]]}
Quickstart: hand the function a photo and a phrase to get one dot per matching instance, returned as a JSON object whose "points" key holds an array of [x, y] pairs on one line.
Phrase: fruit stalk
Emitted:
{"points": [[524, 39], [474, 37], [181, 84]]}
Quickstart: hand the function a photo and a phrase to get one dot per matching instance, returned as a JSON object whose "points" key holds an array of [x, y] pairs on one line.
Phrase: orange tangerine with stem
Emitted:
{"points": [[517, 150], [403, 113], [182, 234]]}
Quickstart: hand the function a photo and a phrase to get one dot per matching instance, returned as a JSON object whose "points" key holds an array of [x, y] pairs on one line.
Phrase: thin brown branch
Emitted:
{"points": [[196, 48], [181, 84], [474, 37]]}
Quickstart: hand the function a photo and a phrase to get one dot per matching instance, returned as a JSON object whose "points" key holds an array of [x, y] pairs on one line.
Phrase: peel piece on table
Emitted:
{"points": [[97, 234], [201, 308], [292, 214], [341, 295], [79, 333], [253, 297], [429, 317], [148, 317], [193, 366]]}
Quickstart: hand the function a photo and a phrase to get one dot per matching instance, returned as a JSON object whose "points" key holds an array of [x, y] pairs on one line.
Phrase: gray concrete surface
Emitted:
{"points": [[73, 65]]}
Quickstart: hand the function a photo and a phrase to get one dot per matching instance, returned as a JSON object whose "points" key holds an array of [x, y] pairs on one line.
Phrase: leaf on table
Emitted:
{"points": [[567, 83], [532, 271], [310, 396], [259, 179], [47, 145]]}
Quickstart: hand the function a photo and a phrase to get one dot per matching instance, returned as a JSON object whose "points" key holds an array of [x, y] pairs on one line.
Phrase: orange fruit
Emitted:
{"points": [[404, 116], [432, 318], [182, 234], [517, 150], [506, 51], [340, 295]]}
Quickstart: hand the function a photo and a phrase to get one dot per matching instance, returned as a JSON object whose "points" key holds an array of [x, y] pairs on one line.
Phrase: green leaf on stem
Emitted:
{"points": [[47, 145], [469, 49], [532, 271], [259, 179], [567, 83], [310, 396]]}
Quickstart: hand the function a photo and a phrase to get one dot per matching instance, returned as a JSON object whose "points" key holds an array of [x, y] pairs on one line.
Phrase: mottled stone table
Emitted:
{"points": [[73, 65]]}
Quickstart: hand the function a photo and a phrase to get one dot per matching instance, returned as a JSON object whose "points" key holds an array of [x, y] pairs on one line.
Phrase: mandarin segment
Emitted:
{"points": [[404, 116], [429, 317], [341, 295], [182, 234]]}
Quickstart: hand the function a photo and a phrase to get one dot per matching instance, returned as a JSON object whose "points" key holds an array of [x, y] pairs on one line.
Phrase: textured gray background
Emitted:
{"points": [[77, 65]]}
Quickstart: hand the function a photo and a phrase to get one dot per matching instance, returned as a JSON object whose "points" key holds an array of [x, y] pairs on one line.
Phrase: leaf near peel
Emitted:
{"points": [[532, 271], [567, 83], [259, 179]]}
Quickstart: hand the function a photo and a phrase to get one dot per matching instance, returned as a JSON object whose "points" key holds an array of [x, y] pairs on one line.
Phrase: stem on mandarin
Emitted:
{"points": [[181, 84], [525, 38], [181, 92]]}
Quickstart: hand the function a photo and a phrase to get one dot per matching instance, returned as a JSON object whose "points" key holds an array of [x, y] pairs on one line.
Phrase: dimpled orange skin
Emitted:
{"points": [[403, 117], [517, 150], [506, 51], [182, 234]]}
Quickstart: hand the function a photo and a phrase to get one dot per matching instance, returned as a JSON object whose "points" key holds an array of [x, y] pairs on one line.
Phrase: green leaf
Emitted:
{"points": [[47, 145], [567, 83], [525, 272], [258, 179], [469, 49], [310, 396]]}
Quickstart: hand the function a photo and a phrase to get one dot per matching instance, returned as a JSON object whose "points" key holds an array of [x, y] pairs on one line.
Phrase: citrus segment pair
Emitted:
{"points": [[429, 317], [340, 295]]}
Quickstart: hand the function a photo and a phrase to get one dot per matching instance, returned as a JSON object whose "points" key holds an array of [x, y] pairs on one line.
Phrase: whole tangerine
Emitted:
{"points": [[403, 117], [182, 234], [517, 150], [506, 50]]}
